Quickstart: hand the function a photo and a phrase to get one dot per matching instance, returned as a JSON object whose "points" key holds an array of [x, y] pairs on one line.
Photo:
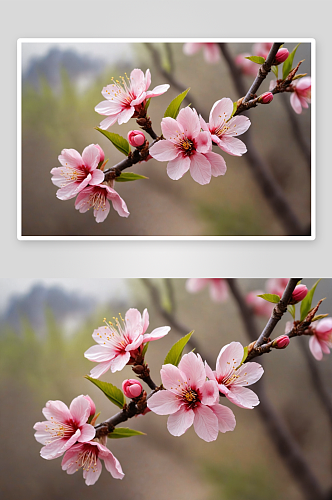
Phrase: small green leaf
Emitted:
{"points": [[129, 176], [147, 104], [174, 354], [287, 66], [234, 109], [111, 392], [174, 107], [291, 310], [145, 348], [270, 297], [319, 316], [124, 432], [117, 140], [307, 301], [301, 75], [275, 71], [256, 59], [245, 355]]}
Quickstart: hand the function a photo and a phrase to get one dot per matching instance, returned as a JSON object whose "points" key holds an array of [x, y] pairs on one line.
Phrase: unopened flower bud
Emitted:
{"points": [[299, 293], [92, 405], [281, 56], [102, 154], [266, 98], [281, 342], [136, 138], [132, 388]]}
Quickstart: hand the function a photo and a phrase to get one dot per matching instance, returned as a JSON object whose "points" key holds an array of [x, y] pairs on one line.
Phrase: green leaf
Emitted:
{"points": [[117, 140], [174, 107], [245, 355], [147, 104], [270, 297], [129, 176], [124, 432], [111, 392], [256, 59], [287, 66], [291, 310], [174, 354], [275, 71], [307, 301], [319, 316], [145, 348], [234, 109]]}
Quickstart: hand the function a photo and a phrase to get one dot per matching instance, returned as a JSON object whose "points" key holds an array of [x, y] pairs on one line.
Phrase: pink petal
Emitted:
{"points": [[70, 158], [172, 378], [119, 204], [194, 285], [160, 89], [97, 177], [315, 348], [108, 108], [102, 211], [220, 112], [145, 320], [105, 124], [178, 167], [206, 423], [203, 142], [113, 465], [171, 129], [232, 146], [125, 115], [225, 416], [295, 103], [57, 410], [200, 168], [135, 344], [248, 374], [229, 358], [193, 368], [92, 474], [137, 81], [91, 157], [71, 190], [204, 125], [218, 287], [179, 422], [189, 120], [304, 83], [324, 326], [237, 126], [98, 353], [42, 435], [211, 53], [69, 460], [87, 433], [190, 48], [139, 99], [100, 369], [324, 347], [133, 321], [218, 164], [164, 151], [147, 79], [157, 333], [80, 410], [120, 361], [164, 403], [209, 373], [72, 440], [209, 393], [53, 450], [242, 397]]}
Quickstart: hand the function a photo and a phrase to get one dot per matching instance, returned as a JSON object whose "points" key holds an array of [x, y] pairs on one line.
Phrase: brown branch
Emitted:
{"points": [[282, 439]]}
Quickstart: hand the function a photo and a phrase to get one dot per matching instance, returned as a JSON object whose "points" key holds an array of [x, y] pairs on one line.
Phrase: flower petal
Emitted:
{"points": [[225, 416], [200, 168], [157, 333], [242, 397], [206, 423], [209, 393], [229, 358], [232, 146], [248, 374], [160, 89], [179, 422], [221, 111], [193, 368], [113, 465], [57, 410], [189, 120], [120, 361], [218, 164], [164, 151], [100, 369], [164, 403], [91, 157], [88, 432], [172, 378], [315, 348], [80, 410]]}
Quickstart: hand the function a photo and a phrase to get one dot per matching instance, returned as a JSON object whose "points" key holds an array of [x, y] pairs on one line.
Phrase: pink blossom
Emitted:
{"points": [[77, 171], [102, 154], [258, 305], [281, 342], [224, 129], [321, 340], [233, 379], [299, 293], [125, 98], [87, 456], [119, 344], [132, 388], [210, 50], [281, 56], [97, 197], [217, 287], [136, 138], [186, 147], [92, 406], [302, 94], [64, 427], [266, 98], [190, 399]]}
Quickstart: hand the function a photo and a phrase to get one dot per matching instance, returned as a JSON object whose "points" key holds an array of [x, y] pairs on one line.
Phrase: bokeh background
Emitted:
{"points": [[45, 327], [61, 85]]}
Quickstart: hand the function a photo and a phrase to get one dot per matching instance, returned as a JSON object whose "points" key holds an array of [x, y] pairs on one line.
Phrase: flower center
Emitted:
{"points": [[191, 397], [187, 146], [59, 430]]}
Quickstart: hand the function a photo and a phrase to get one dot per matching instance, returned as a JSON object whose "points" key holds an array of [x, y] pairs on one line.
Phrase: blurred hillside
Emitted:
{"points": [[240, 465], [58, 113]]}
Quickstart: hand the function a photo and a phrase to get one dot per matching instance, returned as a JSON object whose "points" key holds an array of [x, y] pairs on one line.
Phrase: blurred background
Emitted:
{"points": [[61, 85], [45, 327]]}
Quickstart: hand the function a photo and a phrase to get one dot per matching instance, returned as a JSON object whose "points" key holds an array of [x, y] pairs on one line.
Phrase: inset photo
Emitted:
{"points": [[135, 388], [166, 139]]}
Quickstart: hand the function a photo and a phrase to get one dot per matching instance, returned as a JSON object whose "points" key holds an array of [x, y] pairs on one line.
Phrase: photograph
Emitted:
{"points": [[232, 399], [166, 139]]}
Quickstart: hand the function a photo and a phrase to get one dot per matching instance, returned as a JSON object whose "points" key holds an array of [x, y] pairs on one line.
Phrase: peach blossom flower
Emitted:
{"points": [[97, 197], [132, 388], [211, 51], [302, 94], [190, 399], [321, 340], [217, 287]]}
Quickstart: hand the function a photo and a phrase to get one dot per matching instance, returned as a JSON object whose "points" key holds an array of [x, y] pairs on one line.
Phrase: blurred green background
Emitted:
{"points": [[46, 326], [62, 84]]}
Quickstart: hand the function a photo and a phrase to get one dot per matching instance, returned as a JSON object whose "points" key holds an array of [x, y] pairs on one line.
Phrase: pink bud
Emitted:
{"points": [[136, 138], [266, 98], [299, 293], [281, 342], [132, 388], [281, 56], [102, 154], [92, 405]]}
